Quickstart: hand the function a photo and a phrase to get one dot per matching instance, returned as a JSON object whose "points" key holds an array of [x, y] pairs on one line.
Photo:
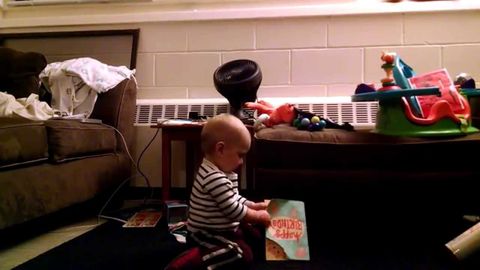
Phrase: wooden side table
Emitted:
{"points": [[190, 134]]}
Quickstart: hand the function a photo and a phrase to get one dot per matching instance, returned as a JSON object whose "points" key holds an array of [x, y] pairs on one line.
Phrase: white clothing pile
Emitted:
{"points": [[75, 84]]}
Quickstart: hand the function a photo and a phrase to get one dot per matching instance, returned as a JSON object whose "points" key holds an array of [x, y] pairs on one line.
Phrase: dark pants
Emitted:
{"points": [[230, 250]]}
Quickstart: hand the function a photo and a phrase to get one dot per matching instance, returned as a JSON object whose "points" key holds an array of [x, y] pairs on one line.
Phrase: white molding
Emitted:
{"points": [[194, 10], [13, 3]]}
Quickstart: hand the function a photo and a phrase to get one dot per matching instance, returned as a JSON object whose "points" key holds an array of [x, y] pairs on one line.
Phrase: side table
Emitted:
{"points": [[190, 134]]}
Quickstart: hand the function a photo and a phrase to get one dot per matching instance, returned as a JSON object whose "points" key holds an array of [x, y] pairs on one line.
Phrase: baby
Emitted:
{"points": [[220, 220]]}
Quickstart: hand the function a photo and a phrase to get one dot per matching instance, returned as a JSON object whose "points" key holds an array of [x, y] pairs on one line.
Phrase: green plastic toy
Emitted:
{"points": [[422, 109]]}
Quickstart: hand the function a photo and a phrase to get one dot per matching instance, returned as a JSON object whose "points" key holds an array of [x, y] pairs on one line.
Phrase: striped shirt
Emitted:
{"points": [[215, 204]]}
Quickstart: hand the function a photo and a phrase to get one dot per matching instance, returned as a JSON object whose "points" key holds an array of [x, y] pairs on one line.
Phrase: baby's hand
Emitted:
{"points": [[264, 218], [258, 216]]}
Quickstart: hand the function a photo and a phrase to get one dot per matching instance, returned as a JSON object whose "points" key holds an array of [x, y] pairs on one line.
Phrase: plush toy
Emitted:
{"points": [[270, 115], [284, 113]]}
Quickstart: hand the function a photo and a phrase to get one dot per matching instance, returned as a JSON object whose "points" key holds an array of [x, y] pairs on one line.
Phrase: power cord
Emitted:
{"points": [[140, 157], [100, 215], [137, 168], [130, 156]]}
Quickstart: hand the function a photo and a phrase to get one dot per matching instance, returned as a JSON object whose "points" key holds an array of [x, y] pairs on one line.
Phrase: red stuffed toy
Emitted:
{"points": [[269, 116], [284, 113]]}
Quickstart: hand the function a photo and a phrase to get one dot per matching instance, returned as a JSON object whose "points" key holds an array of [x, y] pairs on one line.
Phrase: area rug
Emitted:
{"points": [[110, 246]]}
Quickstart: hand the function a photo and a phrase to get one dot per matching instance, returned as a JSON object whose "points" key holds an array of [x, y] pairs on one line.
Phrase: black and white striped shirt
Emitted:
{"points": [[215, 204]]}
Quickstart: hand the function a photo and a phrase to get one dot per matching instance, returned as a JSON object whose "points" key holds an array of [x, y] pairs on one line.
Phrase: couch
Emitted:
{"points": [[47, 166]]}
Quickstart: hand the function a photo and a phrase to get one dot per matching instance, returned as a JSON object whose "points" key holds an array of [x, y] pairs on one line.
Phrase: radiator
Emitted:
{"points": [[338, 109]]}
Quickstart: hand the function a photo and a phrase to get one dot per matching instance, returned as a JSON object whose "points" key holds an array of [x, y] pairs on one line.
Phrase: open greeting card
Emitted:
{"points": [[286, 238]]}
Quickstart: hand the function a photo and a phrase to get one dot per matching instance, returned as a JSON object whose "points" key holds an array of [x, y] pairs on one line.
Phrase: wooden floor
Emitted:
{"points": [[28, 249]]}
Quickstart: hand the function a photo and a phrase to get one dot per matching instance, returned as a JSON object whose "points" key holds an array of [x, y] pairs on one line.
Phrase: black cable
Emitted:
{"points": [[140, 157], [137, 168]]}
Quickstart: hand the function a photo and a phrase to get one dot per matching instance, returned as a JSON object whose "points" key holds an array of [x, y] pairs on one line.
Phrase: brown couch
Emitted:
{"points": [[46, 166]]}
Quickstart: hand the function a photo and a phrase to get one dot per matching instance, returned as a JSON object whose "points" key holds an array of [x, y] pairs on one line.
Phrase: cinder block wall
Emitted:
{"points": [[315, 56]]}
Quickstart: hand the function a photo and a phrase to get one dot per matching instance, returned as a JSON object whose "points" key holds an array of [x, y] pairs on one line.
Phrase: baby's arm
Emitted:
{"points": [[257, 216]]}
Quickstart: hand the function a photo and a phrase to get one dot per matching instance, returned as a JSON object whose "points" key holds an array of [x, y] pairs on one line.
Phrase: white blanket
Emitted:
{"points": [[30, 107]]}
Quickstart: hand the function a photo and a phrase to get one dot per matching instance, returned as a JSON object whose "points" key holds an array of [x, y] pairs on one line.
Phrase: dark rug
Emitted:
{"points": [[338, 247], [110, 246]]}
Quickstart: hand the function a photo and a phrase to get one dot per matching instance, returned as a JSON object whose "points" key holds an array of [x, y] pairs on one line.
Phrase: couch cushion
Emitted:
{"points": [[286, 147], [22, 141], [70, 139]]}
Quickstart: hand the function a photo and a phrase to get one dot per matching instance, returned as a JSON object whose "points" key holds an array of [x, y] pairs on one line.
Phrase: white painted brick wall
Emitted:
{"points": [[442, 28], [185, 69], [316, 56], [275, 65], [358, 31], [221, 36], [292, 33]]}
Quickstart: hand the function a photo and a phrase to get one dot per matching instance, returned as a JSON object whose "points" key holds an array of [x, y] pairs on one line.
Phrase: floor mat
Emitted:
{"points": [[110, 246]]}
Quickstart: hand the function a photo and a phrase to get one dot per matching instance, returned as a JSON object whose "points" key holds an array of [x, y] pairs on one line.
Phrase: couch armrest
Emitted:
{"points": [[116, 107]]}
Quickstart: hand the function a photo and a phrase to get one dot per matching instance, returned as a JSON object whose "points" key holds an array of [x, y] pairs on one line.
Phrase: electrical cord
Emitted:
{"points": [[140, 157], [137, 168], [130, 156], [100, 215]]}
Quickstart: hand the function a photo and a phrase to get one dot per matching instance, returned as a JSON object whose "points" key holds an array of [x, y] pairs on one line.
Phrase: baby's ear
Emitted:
{"points": [[219, 147]]}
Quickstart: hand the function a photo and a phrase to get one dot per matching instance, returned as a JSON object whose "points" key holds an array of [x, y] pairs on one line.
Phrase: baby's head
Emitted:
{"points": [[225, 141]]}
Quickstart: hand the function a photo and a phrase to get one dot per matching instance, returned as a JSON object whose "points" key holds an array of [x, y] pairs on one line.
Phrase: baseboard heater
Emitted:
{"points": [[339, 109]]}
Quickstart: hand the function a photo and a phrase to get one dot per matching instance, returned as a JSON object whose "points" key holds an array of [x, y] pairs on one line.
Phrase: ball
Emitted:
{"points": [[296, 122], [315, 119], [305, 122], [322, 124]]}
